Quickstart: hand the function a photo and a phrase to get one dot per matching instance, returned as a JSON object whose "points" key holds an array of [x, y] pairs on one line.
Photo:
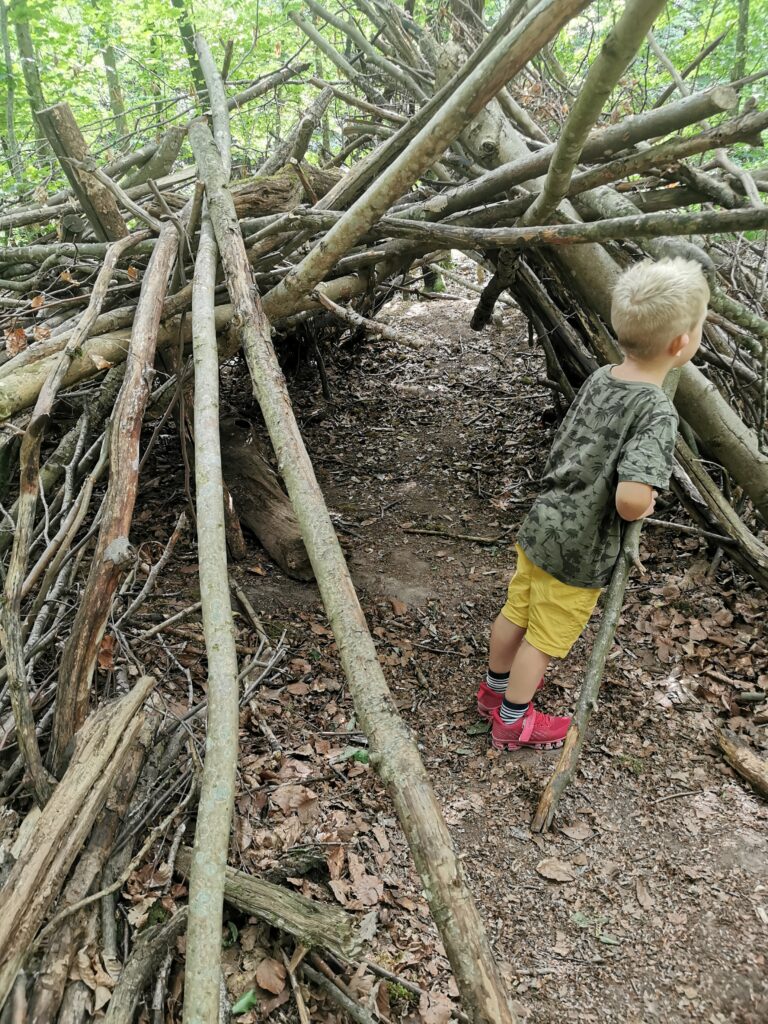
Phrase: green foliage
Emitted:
{"points": [[157, 84]]}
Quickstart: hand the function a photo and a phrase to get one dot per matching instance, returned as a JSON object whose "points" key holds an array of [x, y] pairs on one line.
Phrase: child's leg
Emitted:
{"points": [[527, 668], [506, 637]]}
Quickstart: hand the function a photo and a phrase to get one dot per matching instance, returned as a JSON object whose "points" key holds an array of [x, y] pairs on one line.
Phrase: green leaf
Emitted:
{"points": [[609, 940], [246, 1002], [478, 729]]}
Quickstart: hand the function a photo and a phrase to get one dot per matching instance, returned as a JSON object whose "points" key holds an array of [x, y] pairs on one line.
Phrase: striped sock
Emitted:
{"points": [[510, 713], [497, 681]]}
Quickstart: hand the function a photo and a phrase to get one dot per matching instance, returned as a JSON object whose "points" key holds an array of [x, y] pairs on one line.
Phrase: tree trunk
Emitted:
{"points": [[14, 156], [29, 68], [259, 500], [116, 102], [187, 33]]}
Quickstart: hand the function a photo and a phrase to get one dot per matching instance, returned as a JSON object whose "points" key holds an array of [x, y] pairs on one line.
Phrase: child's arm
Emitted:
{"points": [[635, 500]]}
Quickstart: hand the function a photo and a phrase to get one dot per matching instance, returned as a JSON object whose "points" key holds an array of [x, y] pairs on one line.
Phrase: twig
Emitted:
{"points": [[349, 1006], [242, 597], [453, 536], [170, 621], [301, 1006], [155, 571]]}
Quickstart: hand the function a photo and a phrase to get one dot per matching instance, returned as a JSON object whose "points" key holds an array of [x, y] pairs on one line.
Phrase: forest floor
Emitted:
{"points": [[661, 910]]}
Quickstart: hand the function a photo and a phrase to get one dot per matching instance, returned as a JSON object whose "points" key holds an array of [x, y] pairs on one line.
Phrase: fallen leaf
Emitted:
{"points": [[643, 894], [132, 273], [100, 362], [398, 607], [556, 870], [296, 798], [578, 831], [435, 1008], [270, 974], [105, 657], [37, 302], [101, 997], [15, 340], [41, 332]]}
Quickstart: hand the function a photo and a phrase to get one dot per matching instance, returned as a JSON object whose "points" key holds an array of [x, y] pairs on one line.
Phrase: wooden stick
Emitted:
{"points": [[112, 548], [10, 609], [396, 755], [217, 793], [301, 1006], [510, 54], [617, 51]]}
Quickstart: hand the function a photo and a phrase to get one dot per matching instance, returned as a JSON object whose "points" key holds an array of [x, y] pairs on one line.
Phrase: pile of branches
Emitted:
{"points": [[454, 159]]}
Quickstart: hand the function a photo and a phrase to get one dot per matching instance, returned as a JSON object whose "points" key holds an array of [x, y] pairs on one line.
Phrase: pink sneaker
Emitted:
{"points": [[489, 701], [542, 732]]}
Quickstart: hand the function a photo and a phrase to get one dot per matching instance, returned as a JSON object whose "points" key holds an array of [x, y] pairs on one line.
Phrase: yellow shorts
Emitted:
{"points": [[552, 613]]}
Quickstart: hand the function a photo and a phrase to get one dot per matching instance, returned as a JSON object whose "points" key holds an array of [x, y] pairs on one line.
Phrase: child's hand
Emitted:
{"points": [[652, 506]]}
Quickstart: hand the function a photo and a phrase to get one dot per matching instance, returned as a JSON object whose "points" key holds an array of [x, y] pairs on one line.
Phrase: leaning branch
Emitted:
{"points": [[395, 752]]}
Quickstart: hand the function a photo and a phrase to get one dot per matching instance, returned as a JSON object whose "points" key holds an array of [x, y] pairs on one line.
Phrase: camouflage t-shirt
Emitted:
{"points": [[615, 430]]}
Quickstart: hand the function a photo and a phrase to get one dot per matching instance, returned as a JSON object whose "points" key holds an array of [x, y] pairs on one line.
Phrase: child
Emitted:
{"points": [[615, 445]]}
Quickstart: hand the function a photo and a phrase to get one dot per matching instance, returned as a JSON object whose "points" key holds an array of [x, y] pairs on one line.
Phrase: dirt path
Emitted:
{"points": [[665, 915]]}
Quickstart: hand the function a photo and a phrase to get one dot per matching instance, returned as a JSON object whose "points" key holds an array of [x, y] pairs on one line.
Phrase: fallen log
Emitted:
{"points": [[313, 924], [745, 761], [102, 747], [260, 502], [395, 754]]}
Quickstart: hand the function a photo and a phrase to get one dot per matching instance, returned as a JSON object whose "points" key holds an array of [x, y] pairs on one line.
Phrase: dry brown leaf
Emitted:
{"points": [[37, 302], [270, 975], [296, 798], [643, 894], [105, 657], [132, 273], [100, 362], [41, 332], [15, 340], [435, 1008], [556, 870], [101, 997], [398, 607], [578, 831]]}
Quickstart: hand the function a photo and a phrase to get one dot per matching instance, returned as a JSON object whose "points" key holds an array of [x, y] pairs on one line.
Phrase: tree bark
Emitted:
{"points": [[217, 792], [259, 501], [315, 925], [395, 753], [29, 68], [116, 103]]}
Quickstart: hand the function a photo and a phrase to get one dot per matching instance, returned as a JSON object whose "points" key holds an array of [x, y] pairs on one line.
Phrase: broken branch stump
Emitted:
{"points": [[97, 202], [260, 502]]}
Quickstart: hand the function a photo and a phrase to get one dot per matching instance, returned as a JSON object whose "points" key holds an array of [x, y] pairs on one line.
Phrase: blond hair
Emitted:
{"points": [[656, 302]]}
